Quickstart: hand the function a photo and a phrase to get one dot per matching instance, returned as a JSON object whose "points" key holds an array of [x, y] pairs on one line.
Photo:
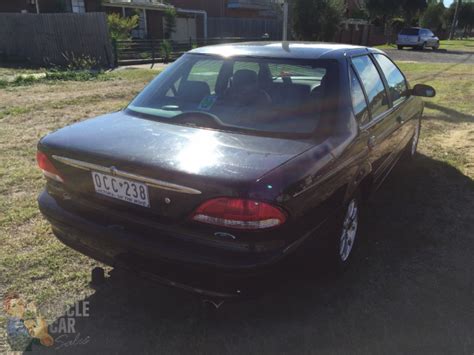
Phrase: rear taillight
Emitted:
{"points": [[239, 213], [47, 167]]}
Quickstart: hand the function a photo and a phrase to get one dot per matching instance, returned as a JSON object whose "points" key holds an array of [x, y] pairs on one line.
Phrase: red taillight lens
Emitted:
{"points": [[239, 213], [47, 167]]}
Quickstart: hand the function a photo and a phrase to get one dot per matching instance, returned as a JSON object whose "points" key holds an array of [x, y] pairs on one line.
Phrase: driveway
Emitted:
{"points": [[440, 56]]}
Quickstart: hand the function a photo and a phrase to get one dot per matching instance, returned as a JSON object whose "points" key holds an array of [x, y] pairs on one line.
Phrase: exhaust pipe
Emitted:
{"points": [[212, 303]]}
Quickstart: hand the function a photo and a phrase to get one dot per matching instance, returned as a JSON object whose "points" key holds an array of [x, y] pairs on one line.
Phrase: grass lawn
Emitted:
{"points": [[7, 73], [410, 290], [460, 45], [466, 45]]}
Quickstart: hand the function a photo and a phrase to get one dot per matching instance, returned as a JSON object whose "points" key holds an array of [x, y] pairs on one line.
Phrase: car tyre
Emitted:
{"points": [[399, 48], [346, 237]]}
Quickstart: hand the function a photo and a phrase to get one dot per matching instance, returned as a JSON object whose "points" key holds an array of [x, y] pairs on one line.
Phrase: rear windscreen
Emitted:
{"points": [[410, 31], [243, 93]]}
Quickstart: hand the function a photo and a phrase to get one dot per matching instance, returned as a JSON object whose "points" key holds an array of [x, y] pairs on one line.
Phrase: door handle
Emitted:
{"points": [[400, 119], [371, 142]]}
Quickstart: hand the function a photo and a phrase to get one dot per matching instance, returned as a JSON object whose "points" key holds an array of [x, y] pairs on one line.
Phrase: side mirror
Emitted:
{"points": [[423, 90]]}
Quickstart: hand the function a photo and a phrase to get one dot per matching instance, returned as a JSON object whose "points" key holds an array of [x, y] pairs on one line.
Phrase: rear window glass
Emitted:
{"points": [[358, 99], [373, 84], [410, 32], [250, 94]]}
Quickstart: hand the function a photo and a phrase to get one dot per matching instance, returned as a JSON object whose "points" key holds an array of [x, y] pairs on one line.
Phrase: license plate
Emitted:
{"points": [[121, 189]]}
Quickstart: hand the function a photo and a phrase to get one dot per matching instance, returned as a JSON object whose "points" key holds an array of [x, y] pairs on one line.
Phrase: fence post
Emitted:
{"points": [[368, 43], [152, 54], [114, 46]]}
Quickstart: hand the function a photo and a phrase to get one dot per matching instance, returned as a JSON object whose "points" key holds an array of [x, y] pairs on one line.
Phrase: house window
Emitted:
{"points": [[78, 6]]}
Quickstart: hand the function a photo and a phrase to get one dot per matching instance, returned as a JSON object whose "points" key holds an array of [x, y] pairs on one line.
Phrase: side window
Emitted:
{"points": [[373, 84], [358, 99], [206, 71], [246, 65], [396, 81], [279, 69]]}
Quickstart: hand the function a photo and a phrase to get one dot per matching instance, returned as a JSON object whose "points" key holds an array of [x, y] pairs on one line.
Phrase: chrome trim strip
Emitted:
{"points": [[116, 172]]}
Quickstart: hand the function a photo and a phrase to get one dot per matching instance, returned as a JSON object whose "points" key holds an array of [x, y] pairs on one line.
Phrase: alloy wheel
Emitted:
{"points": [[349, 230], [414, 142]]}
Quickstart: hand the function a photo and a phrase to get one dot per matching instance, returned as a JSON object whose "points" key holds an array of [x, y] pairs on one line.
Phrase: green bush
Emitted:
{"points": [[166, 50], [71, 75], [170, 22], [121, 27], [80, 62]]}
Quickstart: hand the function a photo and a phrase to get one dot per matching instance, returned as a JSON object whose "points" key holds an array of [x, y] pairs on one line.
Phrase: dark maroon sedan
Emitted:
{"points": [[231, 160]]}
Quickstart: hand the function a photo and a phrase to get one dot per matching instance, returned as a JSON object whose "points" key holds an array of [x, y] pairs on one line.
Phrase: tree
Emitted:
{"points": [[317, 20], [412, 9], [385, 10], [120, 27], [466, 17], [434, 17]]}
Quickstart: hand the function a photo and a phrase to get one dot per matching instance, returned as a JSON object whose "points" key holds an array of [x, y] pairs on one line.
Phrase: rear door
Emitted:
{"points": [[403, 108], [431, 38], [409, 36], [425, 38], [381, 126]]}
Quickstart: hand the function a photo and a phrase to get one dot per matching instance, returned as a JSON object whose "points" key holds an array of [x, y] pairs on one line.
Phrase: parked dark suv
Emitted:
{"points": [[231, 160]]}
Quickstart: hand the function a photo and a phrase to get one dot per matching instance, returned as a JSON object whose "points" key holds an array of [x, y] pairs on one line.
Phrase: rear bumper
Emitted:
{"points": [[192, 267], [408, 44]]}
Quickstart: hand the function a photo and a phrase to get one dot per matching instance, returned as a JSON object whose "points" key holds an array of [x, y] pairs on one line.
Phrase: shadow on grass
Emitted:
{"points": [[451, 114], [409, 289]]}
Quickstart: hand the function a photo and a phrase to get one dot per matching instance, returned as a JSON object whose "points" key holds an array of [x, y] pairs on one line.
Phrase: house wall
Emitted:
{"points": [[50, 6], [93, 5], [215, 8], [155, 24], [16, 6], [185, 29]]}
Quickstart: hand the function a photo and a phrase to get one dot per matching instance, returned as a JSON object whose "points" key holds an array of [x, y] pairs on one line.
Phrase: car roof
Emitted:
{"points": [[296, 50]]}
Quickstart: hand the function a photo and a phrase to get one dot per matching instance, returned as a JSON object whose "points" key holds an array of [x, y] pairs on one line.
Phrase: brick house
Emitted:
{"points": [[193, 15], [49, 6], [225, 17]]}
